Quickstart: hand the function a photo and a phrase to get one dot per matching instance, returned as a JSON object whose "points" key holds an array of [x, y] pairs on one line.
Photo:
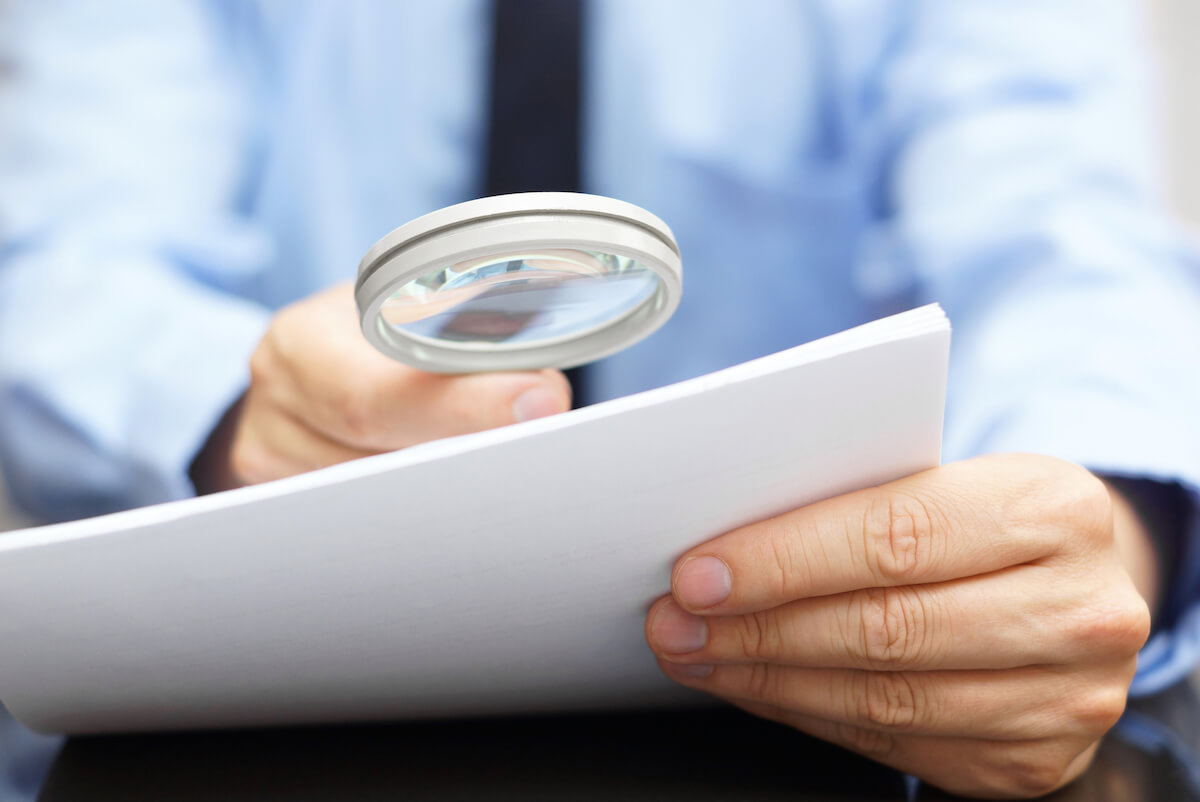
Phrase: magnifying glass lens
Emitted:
{"points": [[522, 297], [518, 282]]}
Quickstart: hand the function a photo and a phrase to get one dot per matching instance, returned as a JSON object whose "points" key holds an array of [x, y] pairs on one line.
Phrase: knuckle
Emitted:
{"points": [[353, 410], [872, 743], [758, 635], [1116, 626], [786, 566], [1134, 628], [1029, 772], [1098, 710], [888, 701], [1071, 499], [1086, 502], [894, 628], [760, 683], [898, 537]]}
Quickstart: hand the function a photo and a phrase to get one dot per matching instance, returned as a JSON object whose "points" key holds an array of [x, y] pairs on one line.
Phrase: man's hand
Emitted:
{"points": [[320, 394], [974, 625]]}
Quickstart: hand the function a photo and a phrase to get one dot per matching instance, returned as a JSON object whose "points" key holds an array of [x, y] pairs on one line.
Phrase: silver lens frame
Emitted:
{"points": [[512, 223]]}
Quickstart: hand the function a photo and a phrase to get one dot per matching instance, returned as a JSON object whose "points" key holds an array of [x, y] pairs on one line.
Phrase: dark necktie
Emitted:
{"points": [[533, 110]]}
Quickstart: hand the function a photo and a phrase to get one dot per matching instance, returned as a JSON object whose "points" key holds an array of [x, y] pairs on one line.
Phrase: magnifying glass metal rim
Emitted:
{"points": [[507, 224]]}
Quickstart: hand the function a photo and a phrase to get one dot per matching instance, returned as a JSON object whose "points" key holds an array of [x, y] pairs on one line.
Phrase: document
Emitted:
{"points": [[502, 572]]}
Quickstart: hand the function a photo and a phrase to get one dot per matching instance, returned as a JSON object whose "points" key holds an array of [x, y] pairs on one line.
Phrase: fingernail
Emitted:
{"points": [[689, 671], [536, 402], [676, 631], [702, 582]]}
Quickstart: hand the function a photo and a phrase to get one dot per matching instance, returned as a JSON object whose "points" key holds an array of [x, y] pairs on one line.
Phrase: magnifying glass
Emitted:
{"points": [[519, 282]]}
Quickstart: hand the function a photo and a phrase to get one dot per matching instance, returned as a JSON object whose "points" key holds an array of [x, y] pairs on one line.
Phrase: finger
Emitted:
{"points": [[1023, 704], [270, 444], [433, 407], [959, 520], [1013, 618], [977, 768], [399, 406]]}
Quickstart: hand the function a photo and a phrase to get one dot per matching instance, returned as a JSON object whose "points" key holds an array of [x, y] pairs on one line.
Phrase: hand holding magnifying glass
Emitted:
{"points": [[498, 290]]}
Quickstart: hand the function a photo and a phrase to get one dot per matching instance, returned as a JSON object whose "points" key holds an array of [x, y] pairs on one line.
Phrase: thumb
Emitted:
{"points": [[549, 396], [437, 406]]}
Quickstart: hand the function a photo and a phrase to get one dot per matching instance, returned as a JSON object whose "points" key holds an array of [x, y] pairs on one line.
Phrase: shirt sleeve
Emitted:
{"points": [[1015, 150], [124, 263]]}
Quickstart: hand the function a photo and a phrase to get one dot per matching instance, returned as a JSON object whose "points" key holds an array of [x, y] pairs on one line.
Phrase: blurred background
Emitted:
{"points": [[1175, 25]]}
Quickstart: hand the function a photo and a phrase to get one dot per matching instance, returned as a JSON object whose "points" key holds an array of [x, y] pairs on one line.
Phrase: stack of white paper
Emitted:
{"points": [[507, 571]]}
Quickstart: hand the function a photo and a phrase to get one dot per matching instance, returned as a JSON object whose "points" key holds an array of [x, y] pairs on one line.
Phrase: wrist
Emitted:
{"points": [[211, 471]]}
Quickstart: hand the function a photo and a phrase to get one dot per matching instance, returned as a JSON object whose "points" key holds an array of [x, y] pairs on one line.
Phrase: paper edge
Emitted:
{"points": [[927, 319]]}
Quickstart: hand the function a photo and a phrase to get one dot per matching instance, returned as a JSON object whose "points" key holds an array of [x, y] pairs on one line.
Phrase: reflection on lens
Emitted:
{"points": [[520, 297]]}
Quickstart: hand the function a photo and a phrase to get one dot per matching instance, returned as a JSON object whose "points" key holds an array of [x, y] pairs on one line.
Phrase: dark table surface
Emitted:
{"points": [[714, 753]]}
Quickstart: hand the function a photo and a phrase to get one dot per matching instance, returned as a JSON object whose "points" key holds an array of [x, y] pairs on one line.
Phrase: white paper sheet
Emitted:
{"points": [[507, 571]]}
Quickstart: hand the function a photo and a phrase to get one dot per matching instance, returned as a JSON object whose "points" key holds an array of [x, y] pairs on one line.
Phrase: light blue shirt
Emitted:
{"points": [[171, 172]]}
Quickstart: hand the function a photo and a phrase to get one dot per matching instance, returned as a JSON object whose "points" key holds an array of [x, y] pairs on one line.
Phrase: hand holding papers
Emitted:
{"points": [[503, 571]]}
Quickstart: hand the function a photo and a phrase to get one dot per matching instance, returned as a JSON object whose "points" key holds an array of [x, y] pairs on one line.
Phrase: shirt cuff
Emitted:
{"points": [[1173, 651]]}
